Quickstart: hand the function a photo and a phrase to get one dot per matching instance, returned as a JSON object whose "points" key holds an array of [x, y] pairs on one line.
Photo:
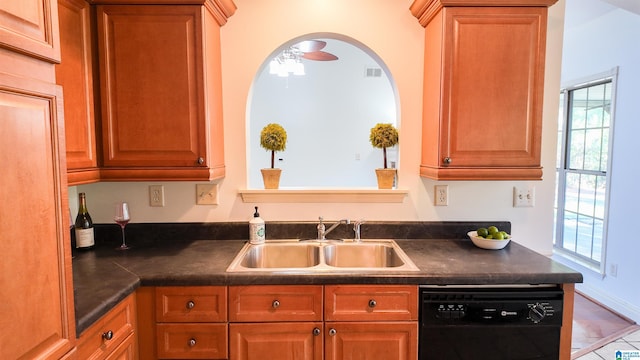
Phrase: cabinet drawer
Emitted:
{"points": [[191, 304], [275, 303], [192, 341], [370, 302], [108, 332]]}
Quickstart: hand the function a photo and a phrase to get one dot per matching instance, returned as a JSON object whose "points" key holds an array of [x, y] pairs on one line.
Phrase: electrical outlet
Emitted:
{"points": [[524, 196], [207, 194], [441, 195], [156, 195], [613, 270]]}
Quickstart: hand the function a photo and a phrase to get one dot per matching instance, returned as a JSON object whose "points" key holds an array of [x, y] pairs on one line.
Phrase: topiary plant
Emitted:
{"points": [[273, 138], [383, 136]]}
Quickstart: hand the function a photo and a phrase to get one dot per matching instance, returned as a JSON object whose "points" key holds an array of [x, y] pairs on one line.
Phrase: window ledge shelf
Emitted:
{"points": [[323, 195]]}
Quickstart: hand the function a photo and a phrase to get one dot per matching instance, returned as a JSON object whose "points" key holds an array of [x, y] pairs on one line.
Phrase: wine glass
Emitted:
{"points": [[122, 217]]}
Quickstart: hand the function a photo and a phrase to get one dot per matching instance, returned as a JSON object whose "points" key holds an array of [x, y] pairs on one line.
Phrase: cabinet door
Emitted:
{"points": [[380, 341], [36, 305], [75, 75], [489, 79], [152, 91], [30, 27], [275, 341], [126, 350], [106, 334]]}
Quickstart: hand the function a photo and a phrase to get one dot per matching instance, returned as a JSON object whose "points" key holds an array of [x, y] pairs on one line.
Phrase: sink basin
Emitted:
{"points": [[294, 255], [362, 255], [314, 256]]}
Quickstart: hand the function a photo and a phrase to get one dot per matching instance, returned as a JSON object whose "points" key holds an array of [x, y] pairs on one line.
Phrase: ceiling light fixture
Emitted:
{"points": [[289, 61]]}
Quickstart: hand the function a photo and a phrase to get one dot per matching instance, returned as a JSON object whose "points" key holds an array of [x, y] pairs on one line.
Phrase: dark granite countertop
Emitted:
{"points": [[104, 277]]}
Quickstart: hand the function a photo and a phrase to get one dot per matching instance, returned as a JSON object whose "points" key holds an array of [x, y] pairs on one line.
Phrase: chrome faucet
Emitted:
{"points": [[356, 229], [322, 231]]}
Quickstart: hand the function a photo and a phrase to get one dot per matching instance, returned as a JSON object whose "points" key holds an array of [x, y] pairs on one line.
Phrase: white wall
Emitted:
{"points": [[600, 38], [389, 29]]}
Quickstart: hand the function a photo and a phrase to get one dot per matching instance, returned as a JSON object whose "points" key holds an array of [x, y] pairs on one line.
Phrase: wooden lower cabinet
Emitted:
{"points": [[126, 351], [371, 322], [279, 322], [112, 336], [189, 322], [371, 340], [323, 322]]}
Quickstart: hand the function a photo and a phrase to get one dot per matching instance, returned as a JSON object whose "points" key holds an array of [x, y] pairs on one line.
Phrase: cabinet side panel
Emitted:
{"points": [[37, 316], [74, 74], [431, 125]]}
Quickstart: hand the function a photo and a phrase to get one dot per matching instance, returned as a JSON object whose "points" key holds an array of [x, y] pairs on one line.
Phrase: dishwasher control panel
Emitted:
{"points": [[497, 307]]}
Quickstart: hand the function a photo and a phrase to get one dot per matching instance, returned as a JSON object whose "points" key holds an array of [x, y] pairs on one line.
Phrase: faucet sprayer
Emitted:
{"points": [[322, 231], [356, 229]]}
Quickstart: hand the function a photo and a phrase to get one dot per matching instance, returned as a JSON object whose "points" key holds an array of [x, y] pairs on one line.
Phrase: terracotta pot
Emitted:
{"points": [[385, 178], [271, 178]]}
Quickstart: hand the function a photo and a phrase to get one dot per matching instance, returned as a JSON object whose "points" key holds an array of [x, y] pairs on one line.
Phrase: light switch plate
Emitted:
{"points": [[524, 196], [207, 194]]}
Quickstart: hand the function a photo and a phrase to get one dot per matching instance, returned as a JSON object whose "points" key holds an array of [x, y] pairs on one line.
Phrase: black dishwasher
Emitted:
{"points": [[486, 322]]}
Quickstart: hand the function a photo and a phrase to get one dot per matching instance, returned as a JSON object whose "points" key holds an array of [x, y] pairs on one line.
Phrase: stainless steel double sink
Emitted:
{"points": [[322, 256]]}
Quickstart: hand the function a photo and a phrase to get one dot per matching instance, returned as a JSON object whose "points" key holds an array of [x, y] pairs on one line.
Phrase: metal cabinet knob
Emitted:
{"points": [[191, 304], [446, 160], [200, 160], [332, 332], [316, 331], [107, 335], [372, 303], [275, 304], [192, 342]]}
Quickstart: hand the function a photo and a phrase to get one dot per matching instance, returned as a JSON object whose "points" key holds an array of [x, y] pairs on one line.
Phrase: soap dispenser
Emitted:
{"points": [[256, 229]]}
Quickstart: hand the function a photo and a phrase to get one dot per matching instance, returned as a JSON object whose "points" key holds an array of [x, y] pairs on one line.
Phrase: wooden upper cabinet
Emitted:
{"points": [[160, 92], [75, 74], [30, 27], [483, 89]]}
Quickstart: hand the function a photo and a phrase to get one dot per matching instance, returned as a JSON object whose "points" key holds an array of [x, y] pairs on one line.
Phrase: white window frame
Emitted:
{"points": [[597, 266]]}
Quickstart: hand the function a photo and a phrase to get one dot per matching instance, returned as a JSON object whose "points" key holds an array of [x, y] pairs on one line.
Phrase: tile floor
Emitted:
{"points": [[630, 341]]}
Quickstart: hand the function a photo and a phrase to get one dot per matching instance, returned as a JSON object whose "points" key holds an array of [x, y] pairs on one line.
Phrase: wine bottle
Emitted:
{"points": [[84, 226]]}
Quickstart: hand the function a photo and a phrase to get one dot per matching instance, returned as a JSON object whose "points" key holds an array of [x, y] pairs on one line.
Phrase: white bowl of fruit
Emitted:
{"points": [[489, 238]]}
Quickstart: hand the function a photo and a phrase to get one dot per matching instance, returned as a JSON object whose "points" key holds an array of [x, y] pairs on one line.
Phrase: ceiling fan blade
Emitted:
{"points": [[319, 56], [310, 45]]}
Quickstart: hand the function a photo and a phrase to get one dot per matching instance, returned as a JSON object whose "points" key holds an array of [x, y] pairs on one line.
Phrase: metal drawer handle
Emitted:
{"points": [[107, 335], [200, 160], [191, 304], [275, 304], [446, 160], [372, 303], [192, 342], [332, 332], [316, 331]]}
